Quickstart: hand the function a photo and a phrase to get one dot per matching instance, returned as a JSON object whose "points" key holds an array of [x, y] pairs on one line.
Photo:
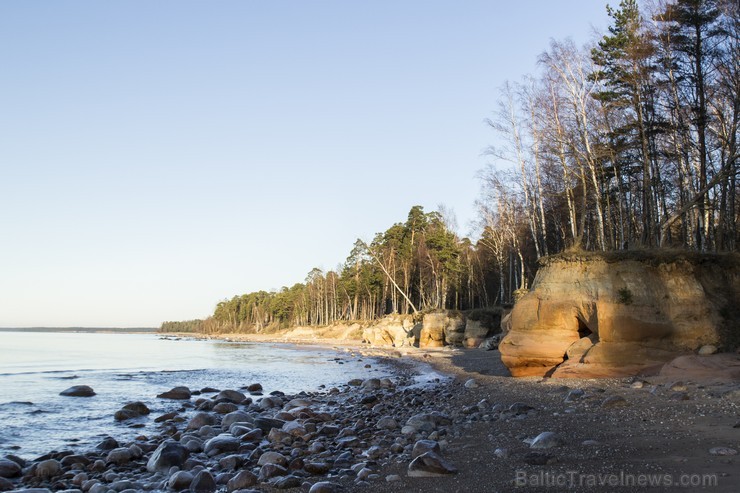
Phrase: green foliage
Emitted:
{"points": [[624, 296], [184, 326], [419, 261]]}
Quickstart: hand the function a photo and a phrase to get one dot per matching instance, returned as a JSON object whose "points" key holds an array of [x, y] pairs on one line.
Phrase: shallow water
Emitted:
{"points": [[36, 367]]}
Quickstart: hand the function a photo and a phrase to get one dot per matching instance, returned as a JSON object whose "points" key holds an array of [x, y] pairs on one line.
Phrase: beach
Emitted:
{"points": [[443, 420]]}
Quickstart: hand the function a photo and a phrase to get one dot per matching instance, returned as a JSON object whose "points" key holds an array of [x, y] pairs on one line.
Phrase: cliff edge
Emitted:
{"points": [[618, 314]]}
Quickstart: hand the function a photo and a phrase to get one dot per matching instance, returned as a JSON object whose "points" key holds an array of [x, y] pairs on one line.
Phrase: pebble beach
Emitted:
{"points": [[444, 420]]}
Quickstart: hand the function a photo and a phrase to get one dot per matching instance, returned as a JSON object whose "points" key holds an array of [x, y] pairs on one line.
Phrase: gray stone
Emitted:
{"points": [[225, 408], [200, 420], [192, 443], [231, 395], [9, 469], [137, 407], [272, 458], [169, 454], [317, 468], [220, 444], [722, 451], [270, 471], [375, 452], [48, 469], [427, 421], [119, 456], [244, 479], [122, 485], [78, 391], [295, 428], [286, 482], [471, 384], [325, 487], [255, 387], [387, 423], [520, 408], [371, 384], [430, 465], [545, 440], [575, 395], [203, 482], [421, 447], [177, 393], [236, 417], [266, 424], [501, 453], [180, 480]]}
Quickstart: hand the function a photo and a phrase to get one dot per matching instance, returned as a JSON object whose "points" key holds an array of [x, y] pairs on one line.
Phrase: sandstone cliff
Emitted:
{"points": [[434, 329], [620, 314]]}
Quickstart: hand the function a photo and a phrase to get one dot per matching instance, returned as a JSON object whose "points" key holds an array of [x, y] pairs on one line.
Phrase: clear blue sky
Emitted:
{"points": [[157, 157]]}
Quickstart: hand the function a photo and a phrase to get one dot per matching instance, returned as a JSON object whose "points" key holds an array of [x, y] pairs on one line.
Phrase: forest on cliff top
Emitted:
{"points": [[629, 142]]}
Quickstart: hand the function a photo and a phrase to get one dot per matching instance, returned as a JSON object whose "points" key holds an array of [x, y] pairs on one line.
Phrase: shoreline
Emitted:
{"points": [[480, 419]]}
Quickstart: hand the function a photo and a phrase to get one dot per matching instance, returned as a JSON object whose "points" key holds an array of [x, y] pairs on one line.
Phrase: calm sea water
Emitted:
{"points": [[36, 367]]}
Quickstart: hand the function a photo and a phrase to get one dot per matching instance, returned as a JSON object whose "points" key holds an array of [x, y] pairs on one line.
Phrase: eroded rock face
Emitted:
{"points": [[393, 330], [442, 328], [593, 317]]}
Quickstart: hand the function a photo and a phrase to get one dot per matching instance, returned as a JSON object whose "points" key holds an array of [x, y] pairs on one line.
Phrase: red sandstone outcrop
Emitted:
{"points": [[599, 315]]}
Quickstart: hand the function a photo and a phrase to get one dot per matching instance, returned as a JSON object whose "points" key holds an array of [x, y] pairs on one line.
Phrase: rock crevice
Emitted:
{"points": [[600, 317]]}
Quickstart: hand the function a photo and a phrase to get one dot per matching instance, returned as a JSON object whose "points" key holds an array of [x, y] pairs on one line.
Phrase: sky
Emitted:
{"points": [[159, 157]]}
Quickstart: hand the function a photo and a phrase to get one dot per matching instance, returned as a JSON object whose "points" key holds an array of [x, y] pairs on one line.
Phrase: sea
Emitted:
{"points": [[36, 366]]}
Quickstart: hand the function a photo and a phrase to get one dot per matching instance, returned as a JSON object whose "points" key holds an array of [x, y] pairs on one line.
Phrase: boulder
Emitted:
{"points": [[119, 456], [9, 469], [442, 327], [168, 454], [244, 479], [6, 484], [325, 487], [271, 457], [610, 315], [220, 444], [231, 395], [49, 468], [177, 393], [723, 366], [236, 417], [203, 482], [421, 447], [131, 410], [78, 391], [180, 481], [200, 420], [430, 464]]}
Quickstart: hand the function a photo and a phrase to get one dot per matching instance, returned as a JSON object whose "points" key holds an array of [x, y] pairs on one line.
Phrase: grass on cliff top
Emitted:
{"points": [[655, 256]]}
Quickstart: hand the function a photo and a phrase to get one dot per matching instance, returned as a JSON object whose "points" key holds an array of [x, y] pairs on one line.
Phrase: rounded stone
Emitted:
{"points": [[545, 440], [48, 469], [325, 487], [78, 391], [9, 469]]}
